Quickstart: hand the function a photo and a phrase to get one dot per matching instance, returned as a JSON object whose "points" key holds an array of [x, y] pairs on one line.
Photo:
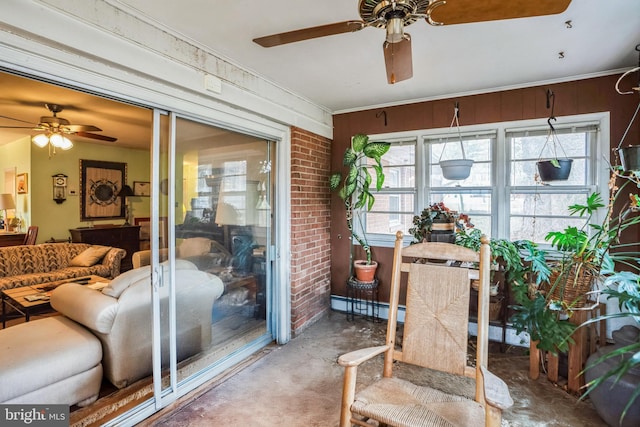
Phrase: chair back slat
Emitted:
{"points": [[437, 317]]}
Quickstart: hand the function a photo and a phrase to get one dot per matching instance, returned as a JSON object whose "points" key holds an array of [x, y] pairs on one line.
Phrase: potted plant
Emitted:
{"points": [[437, 223], [579, 256], [455, 169], [355, 191], [554, 168]]}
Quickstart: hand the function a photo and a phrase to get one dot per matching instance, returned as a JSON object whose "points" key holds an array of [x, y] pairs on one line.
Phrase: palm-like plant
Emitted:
{"points": [[356, 186]]}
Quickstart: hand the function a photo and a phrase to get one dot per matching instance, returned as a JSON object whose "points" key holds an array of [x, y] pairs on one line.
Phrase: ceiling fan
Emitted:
{"points": [[58, 125], [394, 15]]}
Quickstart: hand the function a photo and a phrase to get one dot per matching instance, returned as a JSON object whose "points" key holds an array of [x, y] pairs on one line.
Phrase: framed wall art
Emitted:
{"points": [[141, 188], [22, 183], [100, 183]]}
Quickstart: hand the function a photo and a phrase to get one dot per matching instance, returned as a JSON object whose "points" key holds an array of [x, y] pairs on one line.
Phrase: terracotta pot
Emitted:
{"points": [[365, 272]]}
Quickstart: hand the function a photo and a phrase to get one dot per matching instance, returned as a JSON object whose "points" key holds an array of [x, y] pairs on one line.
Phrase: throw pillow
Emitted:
{"points": [[193, 246], [90, 256]]}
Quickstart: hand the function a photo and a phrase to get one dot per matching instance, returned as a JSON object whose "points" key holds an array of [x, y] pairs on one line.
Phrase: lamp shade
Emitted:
{"points": [[6, 201], [125, 191]]}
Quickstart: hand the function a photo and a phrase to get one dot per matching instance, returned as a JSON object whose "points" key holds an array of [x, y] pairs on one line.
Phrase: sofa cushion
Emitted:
{"points": [[90, 256], [118, 285], [43, 352]]}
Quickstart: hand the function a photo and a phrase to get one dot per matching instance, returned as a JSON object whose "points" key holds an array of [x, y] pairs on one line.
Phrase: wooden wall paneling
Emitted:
{"points": [[488, 107], [529, 100], [511, 105], [577, 97]]}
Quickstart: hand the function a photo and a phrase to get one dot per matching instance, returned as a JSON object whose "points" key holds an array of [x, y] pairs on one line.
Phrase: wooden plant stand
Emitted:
{"points": [[586, 341]]}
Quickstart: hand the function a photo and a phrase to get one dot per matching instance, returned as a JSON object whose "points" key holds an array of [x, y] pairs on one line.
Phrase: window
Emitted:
{"points": [[501, 195], [396, 202], [537, 208], [472, 195]]}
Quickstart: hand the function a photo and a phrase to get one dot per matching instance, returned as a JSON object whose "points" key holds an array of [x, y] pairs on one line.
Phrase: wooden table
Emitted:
{"points": [[22, 299], [11, 239]]}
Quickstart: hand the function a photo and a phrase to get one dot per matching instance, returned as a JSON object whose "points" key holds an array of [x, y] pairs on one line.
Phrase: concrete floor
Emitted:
{"points": [[299, 384]]}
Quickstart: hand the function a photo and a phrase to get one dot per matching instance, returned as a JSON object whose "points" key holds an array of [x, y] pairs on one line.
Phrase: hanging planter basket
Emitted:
{"points": [[548, 171], [455, 169], [554, 169], [630, 158]]}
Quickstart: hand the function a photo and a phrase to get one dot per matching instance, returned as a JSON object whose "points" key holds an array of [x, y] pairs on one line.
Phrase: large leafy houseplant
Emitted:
{"points": [[578, 256], [355, 188]]}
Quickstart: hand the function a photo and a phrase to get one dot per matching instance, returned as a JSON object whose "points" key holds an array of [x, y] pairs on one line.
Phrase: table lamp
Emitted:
{"points": [[125, 192], [6, 202]]}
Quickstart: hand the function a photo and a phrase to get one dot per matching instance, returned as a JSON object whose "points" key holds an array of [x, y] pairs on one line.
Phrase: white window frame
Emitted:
{"points": [[598, 163]]}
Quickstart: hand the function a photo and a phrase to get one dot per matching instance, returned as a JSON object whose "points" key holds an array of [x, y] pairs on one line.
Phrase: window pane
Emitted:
{"points": [[397, 177], [479, 150], [534, 215], [527, 150], [476, 149], [397, 155], [545, 204], [480, 176], [388, 223], [393, 202]]}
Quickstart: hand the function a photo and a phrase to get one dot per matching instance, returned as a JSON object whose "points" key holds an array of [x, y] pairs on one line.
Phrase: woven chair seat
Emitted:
{"points": [[400, 403]]}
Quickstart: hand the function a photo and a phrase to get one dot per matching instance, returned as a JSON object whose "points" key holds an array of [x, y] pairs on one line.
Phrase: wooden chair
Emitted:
{"points": [[435, 336], [30, 237]]}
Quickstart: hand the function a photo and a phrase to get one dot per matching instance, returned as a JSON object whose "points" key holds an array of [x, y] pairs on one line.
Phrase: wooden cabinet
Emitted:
{"points": [[118, 236]]}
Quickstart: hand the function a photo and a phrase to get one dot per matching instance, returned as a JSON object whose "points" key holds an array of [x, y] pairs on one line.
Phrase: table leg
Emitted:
{"points": [[4, 311]]}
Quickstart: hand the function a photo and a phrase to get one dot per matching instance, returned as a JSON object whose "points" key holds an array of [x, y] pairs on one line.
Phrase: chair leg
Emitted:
{"points": [[493, 416], [348, 395]]}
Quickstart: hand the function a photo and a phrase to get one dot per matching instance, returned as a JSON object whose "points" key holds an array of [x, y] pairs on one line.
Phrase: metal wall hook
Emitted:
{"points": [[551, 103], [382, 113]]}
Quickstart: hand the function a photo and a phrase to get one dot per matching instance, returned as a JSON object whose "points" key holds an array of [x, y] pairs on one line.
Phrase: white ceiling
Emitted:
{"points": [[346, 72]]}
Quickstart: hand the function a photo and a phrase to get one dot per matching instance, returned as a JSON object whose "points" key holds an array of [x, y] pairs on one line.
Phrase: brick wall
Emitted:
{"points": [[310, 228]]}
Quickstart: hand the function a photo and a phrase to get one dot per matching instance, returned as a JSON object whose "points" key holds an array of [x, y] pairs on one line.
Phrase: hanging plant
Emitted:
{"points": [[629, 156], [553, 168], [455, 169]]}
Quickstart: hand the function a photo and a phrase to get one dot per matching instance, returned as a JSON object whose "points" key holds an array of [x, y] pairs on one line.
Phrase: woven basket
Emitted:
{"points": [[571, 289]]}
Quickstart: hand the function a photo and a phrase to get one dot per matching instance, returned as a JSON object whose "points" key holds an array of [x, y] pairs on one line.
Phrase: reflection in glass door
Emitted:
{"points": [[222, 232]]}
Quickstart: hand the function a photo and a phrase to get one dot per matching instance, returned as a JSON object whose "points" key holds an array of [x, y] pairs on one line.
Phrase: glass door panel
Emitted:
{"points": [[221, 235]]}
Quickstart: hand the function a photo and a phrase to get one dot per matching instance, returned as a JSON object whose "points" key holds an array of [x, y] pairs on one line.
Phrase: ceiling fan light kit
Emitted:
{"points": [[394, 15], [56, 139], [53, 130]]}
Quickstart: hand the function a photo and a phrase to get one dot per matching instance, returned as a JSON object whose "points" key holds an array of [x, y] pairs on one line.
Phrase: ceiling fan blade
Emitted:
{"points": [[95, 136], [18, 127], [17, 120], [309, 33], [466, 11], [82, 128], [397, 59]]}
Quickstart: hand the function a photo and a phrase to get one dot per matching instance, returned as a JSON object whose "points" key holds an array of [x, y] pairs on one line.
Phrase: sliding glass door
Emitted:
{"points": [[211, 250]]}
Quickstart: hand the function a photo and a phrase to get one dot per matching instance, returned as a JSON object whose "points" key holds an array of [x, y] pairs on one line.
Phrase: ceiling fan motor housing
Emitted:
{"points": [[377, 13]]}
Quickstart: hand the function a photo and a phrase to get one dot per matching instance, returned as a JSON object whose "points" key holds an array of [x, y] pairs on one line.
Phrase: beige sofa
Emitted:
{"points": [[34, 264], [120, 316]]}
